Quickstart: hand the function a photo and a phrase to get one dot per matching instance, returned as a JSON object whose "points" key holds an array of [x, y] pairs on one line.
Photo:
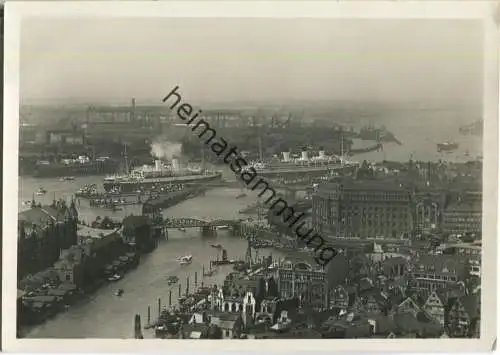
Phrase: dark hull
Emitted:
{"points": [[58, 170], [132, 187], [447, 147]]}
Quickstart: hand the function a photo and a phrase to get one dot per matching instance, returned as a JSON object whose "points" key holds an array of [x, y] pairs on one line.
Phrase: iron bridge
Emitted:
{"points": [[196, 223]]}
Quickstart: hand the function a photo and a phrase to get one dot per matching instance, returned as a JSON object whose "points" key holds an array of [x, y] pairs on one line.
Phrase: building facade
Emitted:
{"points": [[301, 280], [434, 272], [364, 208], [463, 218]]}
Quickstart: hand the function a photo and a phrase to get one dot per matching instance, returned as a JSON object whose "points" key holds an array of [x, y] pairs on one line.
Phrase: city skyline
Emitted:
{"points": [[263, 60], [338, 183]]}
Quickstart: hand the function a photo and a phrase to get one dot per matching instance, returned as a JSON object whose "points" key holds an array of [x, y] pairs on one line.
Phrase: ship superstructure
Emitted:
{"points": [[158, 175], [320, 163]]}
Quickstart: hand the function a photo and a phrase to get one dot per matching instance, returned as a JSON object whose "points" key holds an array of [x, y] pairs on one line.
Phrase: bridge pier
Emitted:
{"points": [[208, 231], [236, 230]]}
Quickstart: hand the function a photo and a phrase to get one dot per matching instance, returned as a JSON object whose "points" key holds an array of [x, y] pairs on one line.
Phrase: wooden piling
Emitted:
{"points": [[187, 286], [195, 279], [170, 298], [159, 307], [180, 291], [149, 315], [137, 327]]}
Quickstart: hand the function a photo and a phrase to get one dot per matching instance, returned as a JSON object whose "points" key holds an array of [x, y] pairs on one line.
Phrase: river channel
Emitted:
{"points": [[103, 315]]}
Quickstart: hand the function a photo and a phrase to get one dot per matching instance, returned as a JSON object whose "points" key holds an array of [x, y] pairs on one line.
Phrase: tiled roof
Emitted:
{"points": [[442, 264]]}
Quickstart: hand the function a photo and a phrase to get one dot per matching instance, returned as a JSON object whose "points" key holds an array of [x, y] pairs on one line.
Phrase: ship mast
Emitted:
{"points": [[202, 158], [260, 148], [125, 158], [342, 148]]}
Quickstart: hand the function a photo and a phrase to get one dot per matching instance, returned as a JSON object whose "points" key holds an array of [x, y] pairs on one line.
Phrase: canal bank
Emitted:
{"points": [[104, 315]]}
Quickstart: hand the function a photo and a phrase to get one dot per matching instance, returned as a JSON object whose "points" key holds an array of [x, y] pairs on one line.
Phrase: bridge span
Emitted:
{"points": [[197, 223]]}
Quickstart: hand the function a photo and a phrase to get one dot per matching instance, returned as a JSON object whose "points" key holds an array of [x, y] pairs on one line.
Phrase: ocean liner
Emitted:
{"points": [[160, 174], [319, 165]]}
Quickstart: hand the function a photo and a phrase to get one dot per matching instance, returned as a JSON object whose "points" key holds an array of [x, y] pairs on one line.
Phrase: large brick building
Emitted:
{"points": [[43, 231], [363, 208]]}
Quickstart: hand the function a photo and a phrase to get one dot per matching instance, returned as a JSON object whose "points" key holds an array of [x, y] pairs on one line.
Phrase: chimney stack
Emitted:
{"points": [[286, 156], [158, 165], [175, 164], [304, 155]]}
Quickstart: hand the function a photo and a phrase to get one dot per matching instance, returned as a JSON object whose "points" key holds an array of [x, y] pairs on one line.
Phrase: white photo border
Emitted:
{"points": [[486, 11]]}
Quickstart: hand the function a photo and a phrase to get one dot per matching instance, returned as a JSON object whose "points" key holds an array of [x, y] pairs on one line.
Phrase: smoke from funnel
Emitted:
{"points": [[164, 149]]}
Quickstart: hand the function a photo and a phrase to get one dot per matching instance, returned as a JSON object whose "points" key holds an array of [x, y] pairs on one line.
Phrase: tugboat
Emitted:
{"points": [[447, 146], [172, 280], [41, 191], [216, 246]]}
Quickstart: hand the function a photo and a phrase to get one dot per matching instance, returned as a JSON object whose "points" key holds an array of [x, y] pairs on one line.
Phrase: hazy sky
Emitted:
{"points": [[252, 59]]}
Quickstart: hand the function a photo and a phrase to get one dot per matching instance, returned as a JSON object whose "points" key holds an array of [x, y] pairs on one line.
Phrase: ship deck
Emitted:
{"points": [[166, 179]]}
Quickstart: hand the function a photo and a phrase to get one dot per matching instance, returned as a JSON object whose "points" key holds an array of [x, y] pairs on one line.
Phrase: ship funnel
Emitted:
{"points": [[286, 156], [322, 154], [175, 164], [304, 155], [157, 165]]}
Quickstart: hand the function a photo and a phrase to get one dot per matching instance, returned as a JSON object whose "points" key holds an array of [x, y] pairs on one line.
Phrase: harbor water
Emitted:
{"points": [[104, 315]]}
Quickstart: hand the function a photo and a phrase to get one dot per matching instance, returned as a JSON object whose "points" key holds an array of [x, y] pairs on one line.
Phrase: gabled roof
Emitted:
{"points": [[409, 301]]}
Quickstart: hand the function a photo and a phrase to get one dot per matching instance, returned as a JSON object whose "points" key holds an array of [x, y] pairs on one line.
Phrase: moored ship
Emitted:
{"points": [[319, 165], [74, 167], [447, 146], [157, 176]]}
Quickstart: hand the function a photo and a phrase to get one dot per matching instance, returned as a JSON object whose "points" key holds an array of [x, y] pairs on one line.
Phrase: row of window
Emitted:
{"points": [[435, 277]]}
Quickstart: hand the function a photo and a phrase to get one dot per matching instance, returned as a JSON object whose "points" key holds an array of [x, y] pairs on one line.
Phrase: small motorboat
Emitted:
{"points": [[185, 260], [41, 191], [115, 277], [222, 228], [241, 195], [119, 292], [172, 280], [182, 229], [217, 246]]}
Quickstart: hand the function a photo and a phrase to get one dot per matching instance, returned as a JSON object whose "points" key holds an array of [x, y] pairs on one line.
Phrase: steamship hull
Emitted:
{"points": [[146, 184]]}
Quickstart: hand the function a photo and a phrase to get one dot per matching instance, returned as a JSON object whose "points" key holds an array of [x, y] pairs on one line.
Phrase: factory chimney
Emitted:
{"points": [[132, 110], [175, 164], [286, 156], [158, 165], [304, 155]]}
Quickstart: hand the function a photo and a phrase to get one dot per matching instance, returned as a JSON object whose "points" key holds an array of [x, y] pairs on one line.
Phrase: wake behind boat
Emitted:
{"points": [[185, 260], [41, 191]]}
